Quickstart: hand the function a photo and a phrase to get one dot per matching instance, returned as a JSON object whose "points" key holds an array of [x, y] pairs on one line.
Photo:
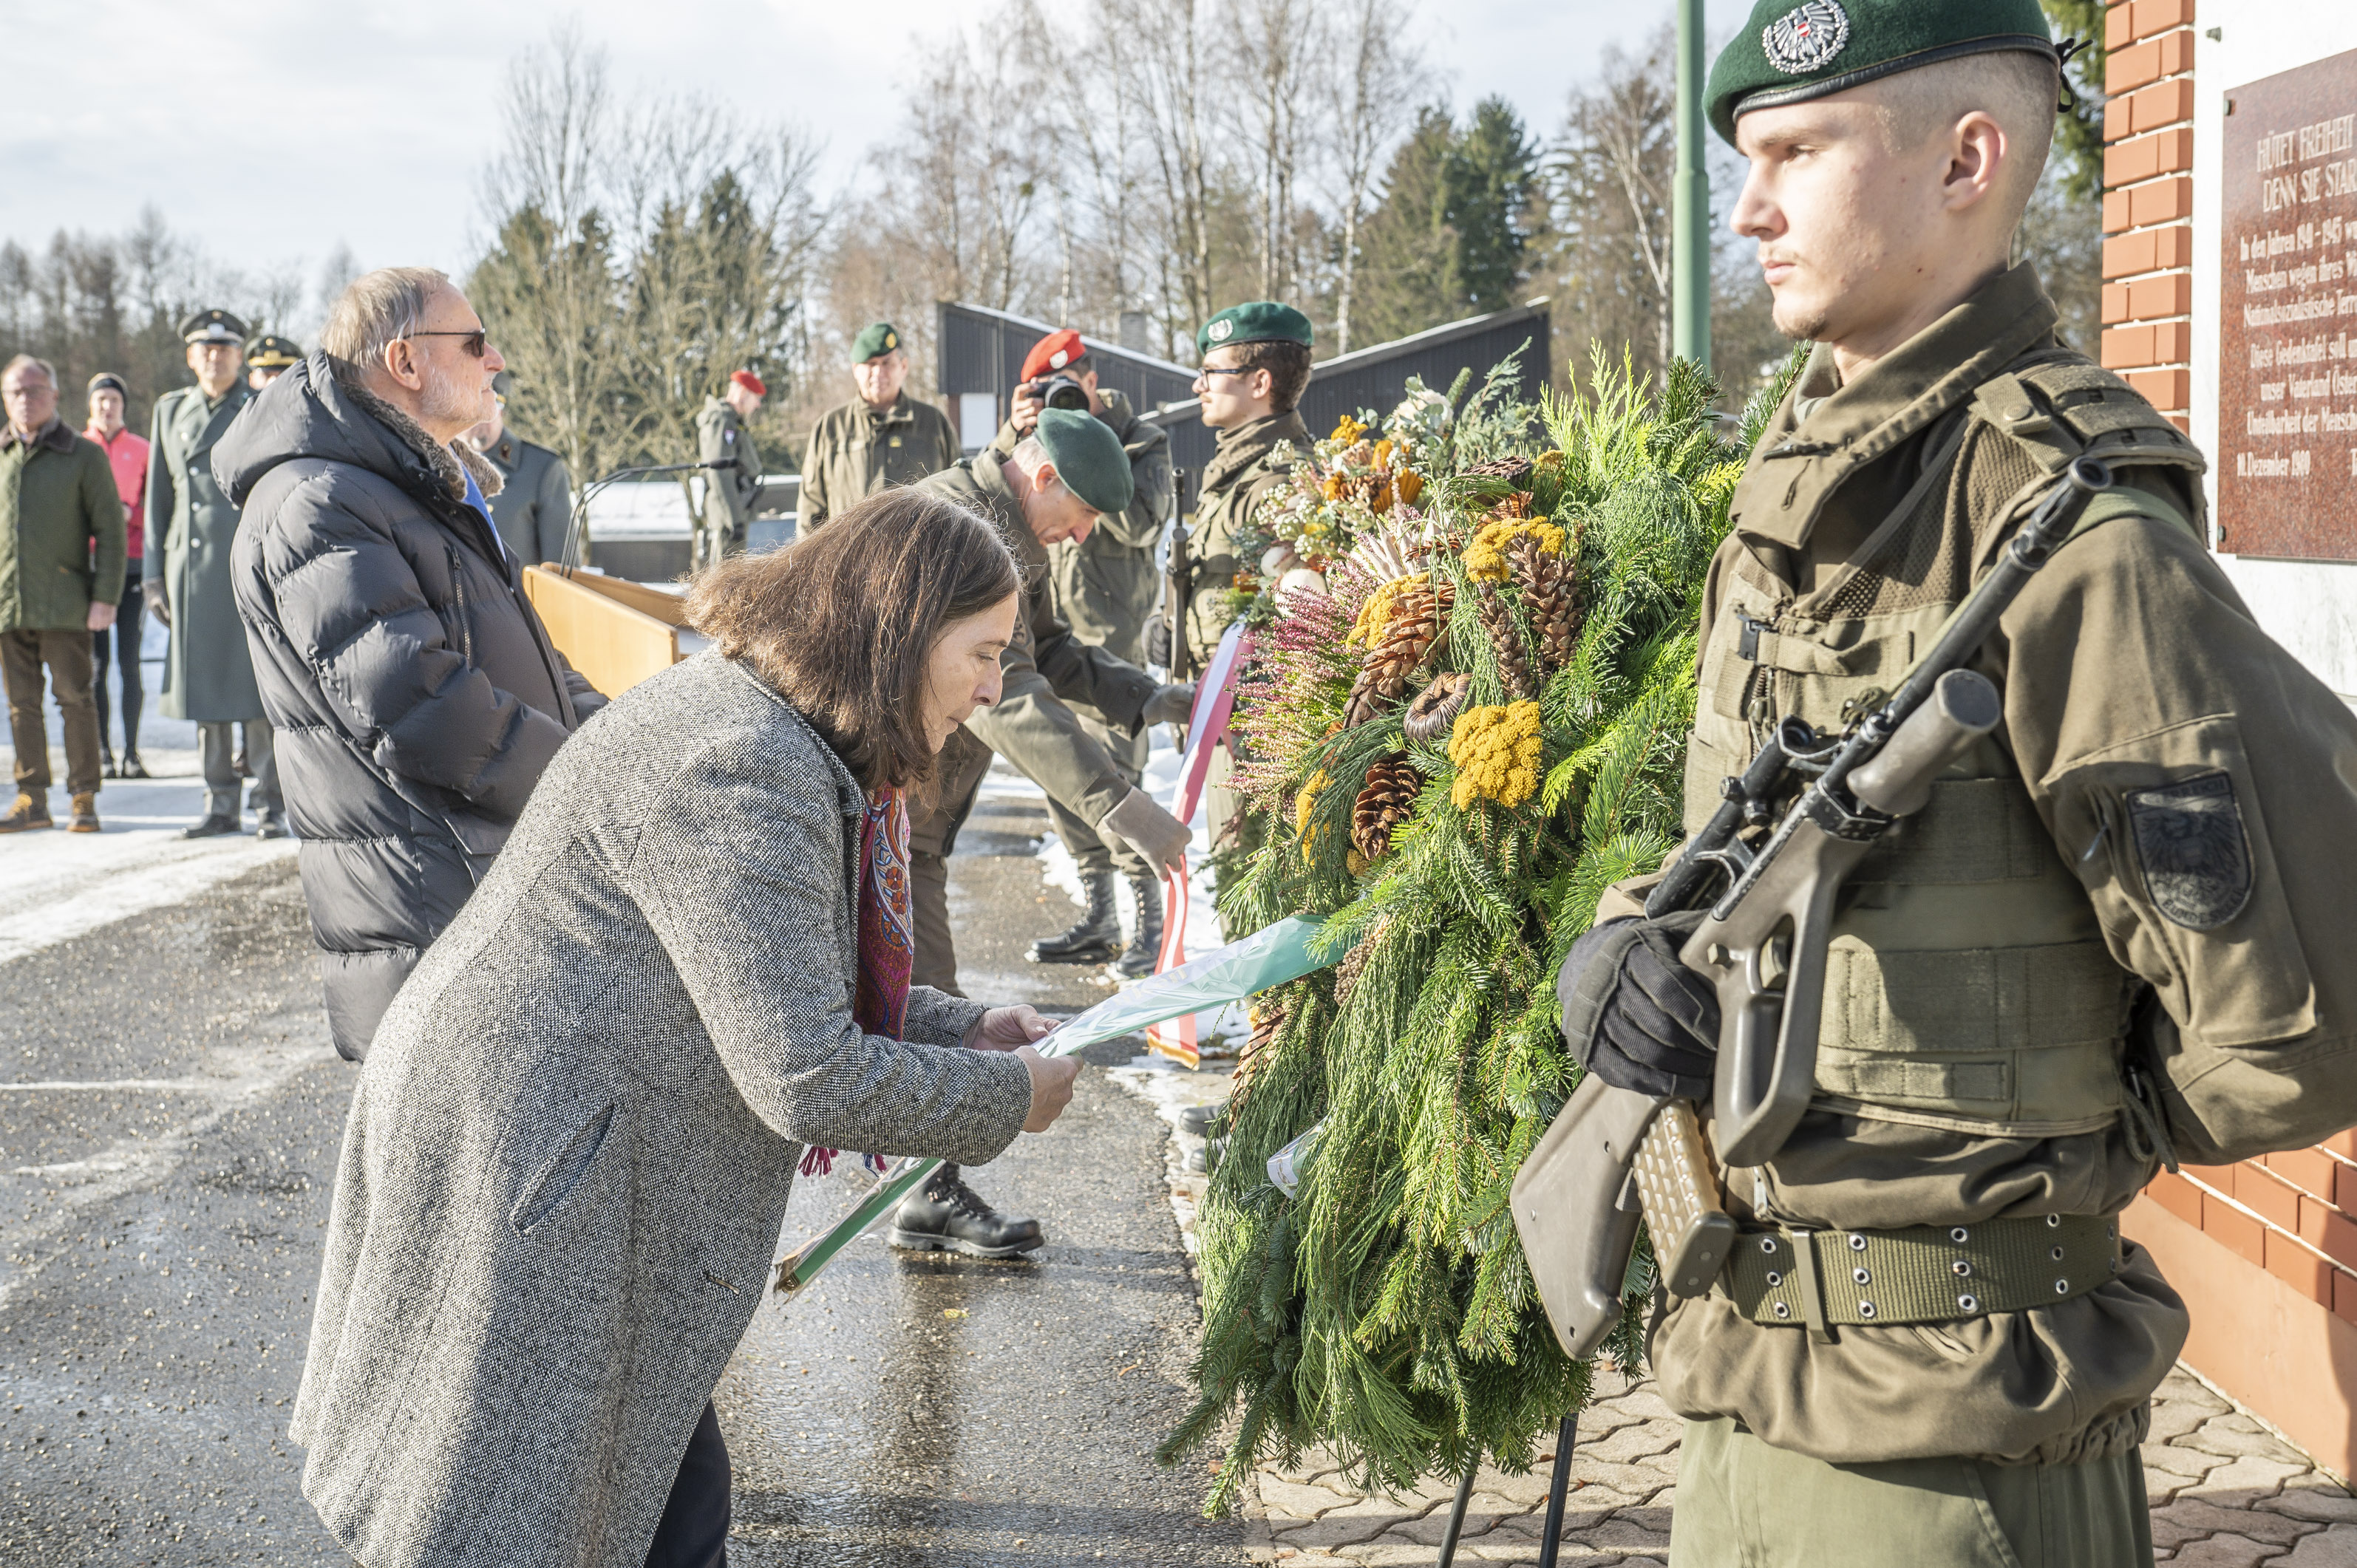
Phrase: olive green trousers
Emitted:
{"points": [[1742, 1504]]}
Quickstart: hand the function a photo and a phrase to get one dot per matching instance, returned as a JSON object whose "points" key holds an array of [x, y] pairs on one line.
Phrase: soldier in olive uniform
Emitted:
{"points": [[1958, 1369], [881, 437], [269, 357], [1054, 485], [1256, 363], [1105, 587], [730, 490], [533, 511], [208, 675]]}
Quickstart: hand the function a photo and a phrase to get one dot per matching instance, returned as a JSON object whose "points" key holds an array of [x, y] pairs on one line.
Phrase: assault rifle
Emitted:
{"points": [[1178, 583], [1766, 903]]}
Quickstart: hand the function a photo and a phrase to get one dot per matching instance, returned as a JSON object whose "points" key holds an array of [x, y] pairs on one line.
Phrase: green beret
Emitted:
{"points": [[1262, 321], [1788, 53], [1088, 459], [877, 337]]}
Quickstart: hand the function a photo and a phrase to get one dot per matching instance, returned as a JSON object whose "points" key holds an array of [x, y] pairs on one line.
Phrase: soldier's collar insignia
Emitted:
{"points": [[1222, 330], [1807, 37]]}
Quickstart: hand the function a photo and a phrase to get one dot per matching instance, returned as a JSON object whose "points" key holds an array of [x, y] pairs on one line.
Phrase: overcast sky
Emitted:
{"points": [[273, 129]]}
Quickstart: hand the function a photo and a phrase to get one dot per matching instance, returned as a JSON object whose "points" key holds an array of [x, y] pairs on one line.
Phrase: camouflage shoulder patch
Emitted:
{"points": [[2195, 854]]}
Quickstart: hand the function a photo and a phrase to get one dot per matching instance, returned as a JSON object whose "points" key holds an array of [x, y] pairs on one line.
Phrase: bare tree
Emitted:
{"points": [[1370, 102], [1609, 187], [1173, 55], [1280, 50]]}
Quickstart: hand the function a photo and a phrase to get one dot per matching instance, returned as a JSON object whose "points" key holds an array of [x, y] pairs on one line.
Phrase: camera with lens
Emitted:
{"points": [[1060, 391]]}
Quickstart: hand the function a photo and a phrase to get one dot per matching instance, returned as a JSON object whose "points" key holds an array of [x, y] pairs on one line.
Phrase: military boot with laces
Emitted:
{"points": [[1095, 936], [1145, 949], [947, 1216], [30, 812]]}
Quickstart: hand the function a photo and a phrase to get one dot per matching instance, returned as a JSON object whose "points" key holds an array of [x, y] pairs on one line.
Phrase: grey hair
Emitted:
{"points": [[1028, 454], [380, 309], [27, 362]]}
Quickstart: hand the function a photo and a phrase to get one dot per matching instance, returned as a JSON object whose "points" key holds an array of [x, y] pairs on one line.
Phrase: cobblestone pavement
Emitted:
{"points": [[2226, 1492]]}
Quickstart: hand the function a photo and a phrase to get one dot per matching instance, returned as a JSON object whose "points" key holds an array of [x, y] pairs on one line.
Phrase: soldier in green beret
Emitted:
{"points": [[533, 511], [1055, 485], [1930, 1344], [208, 675], [1256, 363], [881, 437]]}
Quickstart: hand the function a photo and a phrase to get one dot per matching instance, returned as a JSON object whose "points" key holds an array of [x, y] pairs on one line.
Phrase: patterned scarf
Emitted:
{"points": [[887, 933]]}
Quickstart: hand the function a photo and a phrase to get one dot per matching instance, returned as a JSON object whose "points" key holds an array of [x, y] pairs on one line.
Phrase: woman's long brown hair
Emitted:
{"points": [[843, 621]]}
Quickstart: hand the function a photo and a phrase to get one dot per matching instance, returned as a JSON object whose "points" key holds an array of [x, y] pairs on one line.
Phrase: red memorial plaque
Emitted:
{"points": [[2288, 342]]}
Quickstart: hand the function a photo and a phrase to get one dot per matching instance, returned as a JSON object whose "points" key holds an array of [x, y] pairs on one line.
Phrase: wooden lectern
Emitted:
{"points": [[615, 632]]}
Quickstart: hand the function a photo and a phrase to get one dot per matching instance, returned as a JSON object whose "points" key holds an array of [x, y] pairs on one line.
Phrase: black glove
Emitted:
{"points": [[1634, 1016], [1158, 640]]}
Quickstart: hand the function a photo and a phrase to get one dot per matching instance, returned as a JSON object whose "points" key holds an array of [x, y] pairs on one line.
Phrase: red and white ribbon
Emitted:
{"points": [[1207, 725]]}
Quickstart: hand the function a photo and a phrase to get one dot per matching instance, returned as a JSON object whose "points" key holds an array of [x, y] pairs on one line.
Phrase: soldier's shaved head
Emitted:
{"points": [[2016, 89]]}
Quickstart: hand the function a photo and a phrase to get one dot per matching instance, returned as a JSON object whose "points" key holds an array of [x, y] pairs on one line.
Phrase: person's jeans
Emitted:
{"points": [[122, 640], [695, 1528], [67, 654]]}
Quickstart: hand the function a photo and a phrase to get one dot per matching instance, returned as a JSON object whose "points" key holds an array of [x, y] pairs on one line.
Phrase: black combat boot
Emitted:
{"points": [[947, 1216], [1095, 936], [1145, 949]]}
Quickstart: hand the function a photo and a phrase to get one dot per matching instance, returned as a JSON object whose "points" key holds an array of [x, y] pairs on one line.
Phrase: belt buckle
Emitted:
{"points": [[1813, 1290]]}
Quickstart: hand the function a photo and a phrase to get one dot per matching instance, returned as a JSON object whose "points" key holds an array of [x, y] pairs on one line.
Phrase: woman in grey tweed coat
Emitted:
{"points": [[568, 1158]]}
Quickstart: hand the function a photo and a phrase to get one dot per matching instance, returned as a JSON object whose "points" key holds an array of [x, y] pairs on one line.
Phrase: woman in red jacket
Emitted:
{"points": [[126, 453]]}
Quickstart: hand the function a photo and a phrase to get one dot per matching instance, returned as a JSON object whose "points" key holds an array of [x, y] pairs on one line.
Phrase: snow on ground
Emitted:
{"points": [[55, 886]]}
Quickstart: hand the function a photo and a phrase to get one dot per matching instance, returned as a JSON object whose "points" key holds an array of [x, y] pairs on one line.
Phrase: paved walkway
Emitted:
{"points": [[2226, 1492]]}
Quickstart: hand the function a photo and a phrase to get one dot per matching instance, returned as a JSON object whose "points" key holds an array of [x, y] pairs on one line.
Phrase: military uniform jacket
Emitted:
{"points": [[1239, 477], [208, 675], [728, 493], [2166, 812], [1045, 670], [533, 511], [854, 452], [1106, 585]]}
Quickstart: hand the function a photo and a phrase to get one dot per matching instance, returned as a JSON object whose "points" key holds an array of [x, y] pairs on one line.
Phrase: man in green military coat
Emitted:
{"points": [[533, 511], [1256, 363], [881, 437], [1105, 587], [208, 673], [731, 486], [1930, 1344], [1052, 488]]}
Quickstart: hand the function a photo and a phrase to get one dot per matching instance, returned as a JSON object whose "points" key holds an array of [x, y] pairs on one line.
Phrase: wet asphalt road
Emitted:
{"points": [[169, 1116]]}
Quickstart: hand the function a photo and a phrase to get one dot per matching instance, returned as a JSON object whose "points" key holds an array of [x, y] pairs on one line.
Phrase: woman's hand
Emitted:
{"points": [[1051, 1085], [1005, 1028]]}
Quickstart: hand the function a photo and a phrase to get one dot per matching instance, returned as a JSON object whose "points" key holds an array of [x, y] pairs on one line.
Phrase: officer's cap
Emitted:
{"points": [[272, 352], [215, 326], [1262, 321], [1088, 459], [1789, 53], [876, 338]]}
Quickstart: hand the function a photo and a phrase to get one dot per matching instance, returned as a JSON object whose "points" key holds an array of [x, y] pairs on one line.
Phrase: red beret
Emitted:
{"points": [[750, 383], [1052, 353]]}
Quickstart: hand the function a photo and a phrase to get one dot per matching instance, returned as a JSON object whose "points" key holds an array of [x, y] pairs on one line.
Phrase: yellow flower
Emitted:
{"points": [[1305, 803], [1485, 558], [1383, 450], [1346, 431], [1376, 612], [1408, 487], [1496, 751]]}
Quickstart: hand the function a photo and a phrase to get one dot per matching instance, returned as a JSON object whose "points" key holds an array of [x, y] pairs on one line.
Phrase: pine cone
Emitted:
{"points": [[1416, 619], [1513, 470], [1514, 509], [1267, 1014], [1506, 640], [1388, 801], [1354, 964], [1437, 707], [1550, 589]]}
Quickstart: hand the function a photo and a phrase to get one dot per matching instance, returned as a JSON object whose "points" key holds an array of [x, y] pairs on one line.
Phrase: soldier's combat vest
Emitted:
{"points": [[1968, 986]]}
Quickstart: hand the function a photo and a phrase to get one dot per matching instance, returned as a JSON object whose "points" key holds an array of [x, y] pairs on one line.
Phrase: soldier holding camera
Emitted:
{"points": [[1105, 587], [881, 437]]}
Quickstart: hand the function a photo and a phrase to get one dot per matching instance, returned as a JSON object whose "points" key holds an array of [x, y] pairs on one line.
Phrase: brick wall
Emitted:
{"points": [[2293, 1214], [2148, 200]]}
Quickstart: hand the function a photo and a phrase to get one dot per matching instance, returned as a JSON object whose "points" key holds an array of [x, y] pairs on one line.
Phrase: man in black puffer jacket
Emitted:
{"points": [[415, 696]]}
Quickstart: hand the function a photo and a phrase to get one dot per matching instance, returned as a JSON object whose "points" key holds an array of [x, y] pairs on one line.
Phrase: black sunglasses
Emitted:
{"points": [[477, 339]]}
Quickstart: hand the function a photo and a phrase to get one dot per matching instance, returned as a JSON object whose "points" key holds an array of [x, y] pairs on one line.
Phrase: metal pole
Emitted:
{"points": [[1566, 1438], [1690, 210], [1457, 1513]]}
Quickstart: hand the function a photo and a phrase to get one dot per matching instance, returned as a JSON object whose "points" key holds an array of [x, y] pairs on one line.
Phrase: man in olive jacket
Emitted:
{"points": [[881, 437], [1105, 587], [418, 695], [61, 564], [208, 676], [1055, 485]]}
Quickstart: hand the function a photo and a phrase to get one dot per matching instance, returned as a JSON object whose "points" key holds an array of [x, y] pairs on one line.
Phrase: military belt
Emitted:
{"points": [[1922, 1273]]}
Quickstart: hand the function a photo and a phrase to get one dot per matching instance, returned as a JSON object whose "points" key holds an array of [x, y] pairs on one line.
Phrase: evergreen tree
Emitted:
{"points": [[1404, 270], [1490, 178]]}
